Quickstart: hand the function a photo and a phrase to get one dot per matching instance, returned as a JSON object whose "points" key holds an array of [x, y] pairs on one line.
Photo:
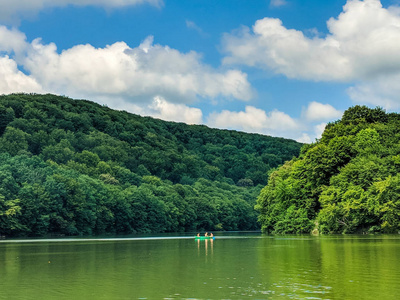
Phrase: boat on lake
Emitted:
{"points": [[204, 237]]}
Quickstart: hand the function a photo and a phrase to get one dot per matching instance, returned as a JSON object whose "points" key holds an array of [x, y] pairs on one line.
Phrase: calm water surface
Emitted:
{"points": [[238, 266]]}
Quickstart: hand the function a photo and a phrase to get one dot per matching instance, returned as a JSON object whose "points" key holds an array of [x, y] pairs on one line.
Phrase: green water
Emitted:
{"points": [[241, 266]]}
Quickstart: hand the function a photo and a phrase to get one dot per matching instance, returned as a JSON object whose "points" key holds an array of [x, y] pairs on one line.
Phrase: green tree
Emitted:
{"points": [[14, 141]]}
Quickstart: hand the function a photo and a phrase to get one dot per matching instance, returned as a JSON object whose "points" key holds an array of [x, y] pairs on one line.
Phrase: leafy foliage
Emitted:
{"points": [[74, 167], [346, 182]]}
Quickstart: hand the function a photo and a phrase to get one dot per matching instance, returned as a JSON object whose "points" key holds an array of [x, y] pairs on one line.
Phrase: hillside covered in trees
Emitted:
{"points": [[347, 182], [74, 167]]}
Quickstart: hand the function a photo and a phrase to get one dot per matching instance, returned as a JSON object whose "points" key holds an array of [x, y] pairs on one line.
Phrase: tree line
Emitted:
{"points": [[75, 167], [347, 182]]}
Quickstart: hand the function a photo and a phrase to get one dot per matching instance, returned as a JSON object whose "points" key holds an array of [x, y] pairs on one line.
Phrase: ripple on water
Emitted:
{"points": [[287, 290]]}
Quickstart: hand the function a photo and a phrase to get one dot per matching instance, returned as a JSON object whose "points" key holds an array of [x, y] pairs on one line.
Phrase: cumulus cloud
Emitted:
{"points": [[13, 81], [362, 45], [254, 120], [312, 135], [304, 138], [119, 71], [12, 40], [383, 91], [317, 111], [276, 123], [162, 109], [288, 52], [10, 9], [319, 129]]}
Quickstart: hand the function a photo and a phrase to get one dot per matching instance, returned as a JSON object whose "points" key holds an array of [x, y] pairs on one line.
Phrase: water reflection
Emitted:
{"points": [[227, 268], [208, 244], [330, 268]]}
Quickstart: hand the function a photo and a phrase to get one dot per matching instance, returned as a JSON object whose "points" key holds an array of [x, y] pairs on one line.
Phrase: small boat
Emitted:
{"points": [[204, 237]]}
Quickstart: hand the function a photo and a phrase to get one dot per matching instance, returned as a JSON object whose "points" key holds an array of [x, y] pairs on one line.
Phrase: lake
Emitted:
{"points": [[233, 266]]}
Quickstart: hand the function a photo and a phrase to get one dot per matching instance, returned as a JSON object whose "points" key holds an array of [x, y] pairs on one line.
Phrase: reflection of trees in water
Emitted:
{"points": [[330, 267], [208, 244]]}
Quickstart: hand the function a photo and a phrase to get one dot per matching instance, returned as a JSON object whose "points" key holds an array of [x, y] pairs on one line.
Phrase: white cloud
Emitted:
{"points": [[162, 109], [305, 138], [278, 3], [195, 27], [319, 129], [12, 40], [312, 135], [288, 52], [254, 120], [383, 91], [10, 9], [317, 111], [281, 121], [158, 107], [119, 71], [275, 123], [363, 45], [12, 80]]}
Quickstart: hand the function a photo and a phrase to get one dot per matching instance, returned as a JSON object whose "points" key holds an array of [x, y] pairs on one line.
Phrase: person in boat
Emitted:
{"points": [[211, 235], [206, 234], [198, 234]]}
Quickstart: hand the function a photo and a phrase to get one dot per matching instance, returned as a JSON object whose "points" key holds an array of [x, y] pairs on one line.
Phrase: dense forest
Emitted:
{"points": [[347, 182], [74, 167]]}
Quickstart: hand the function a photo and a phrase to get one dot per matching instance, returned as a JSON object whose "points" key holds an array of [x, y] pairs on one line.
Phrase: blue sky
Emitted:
{"points": [[276, 67]]}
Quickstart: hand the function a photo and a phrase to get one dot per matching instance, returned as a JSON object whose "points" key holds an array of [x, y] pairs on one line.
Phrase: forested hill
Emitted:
{"points": [[348, 182], [75, 167]]}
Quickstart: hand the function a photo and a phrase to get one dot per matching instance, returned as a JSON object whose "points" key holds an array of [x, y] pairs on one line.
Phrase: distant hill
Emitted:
{"points": [[347, 182], [75, 167]]}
